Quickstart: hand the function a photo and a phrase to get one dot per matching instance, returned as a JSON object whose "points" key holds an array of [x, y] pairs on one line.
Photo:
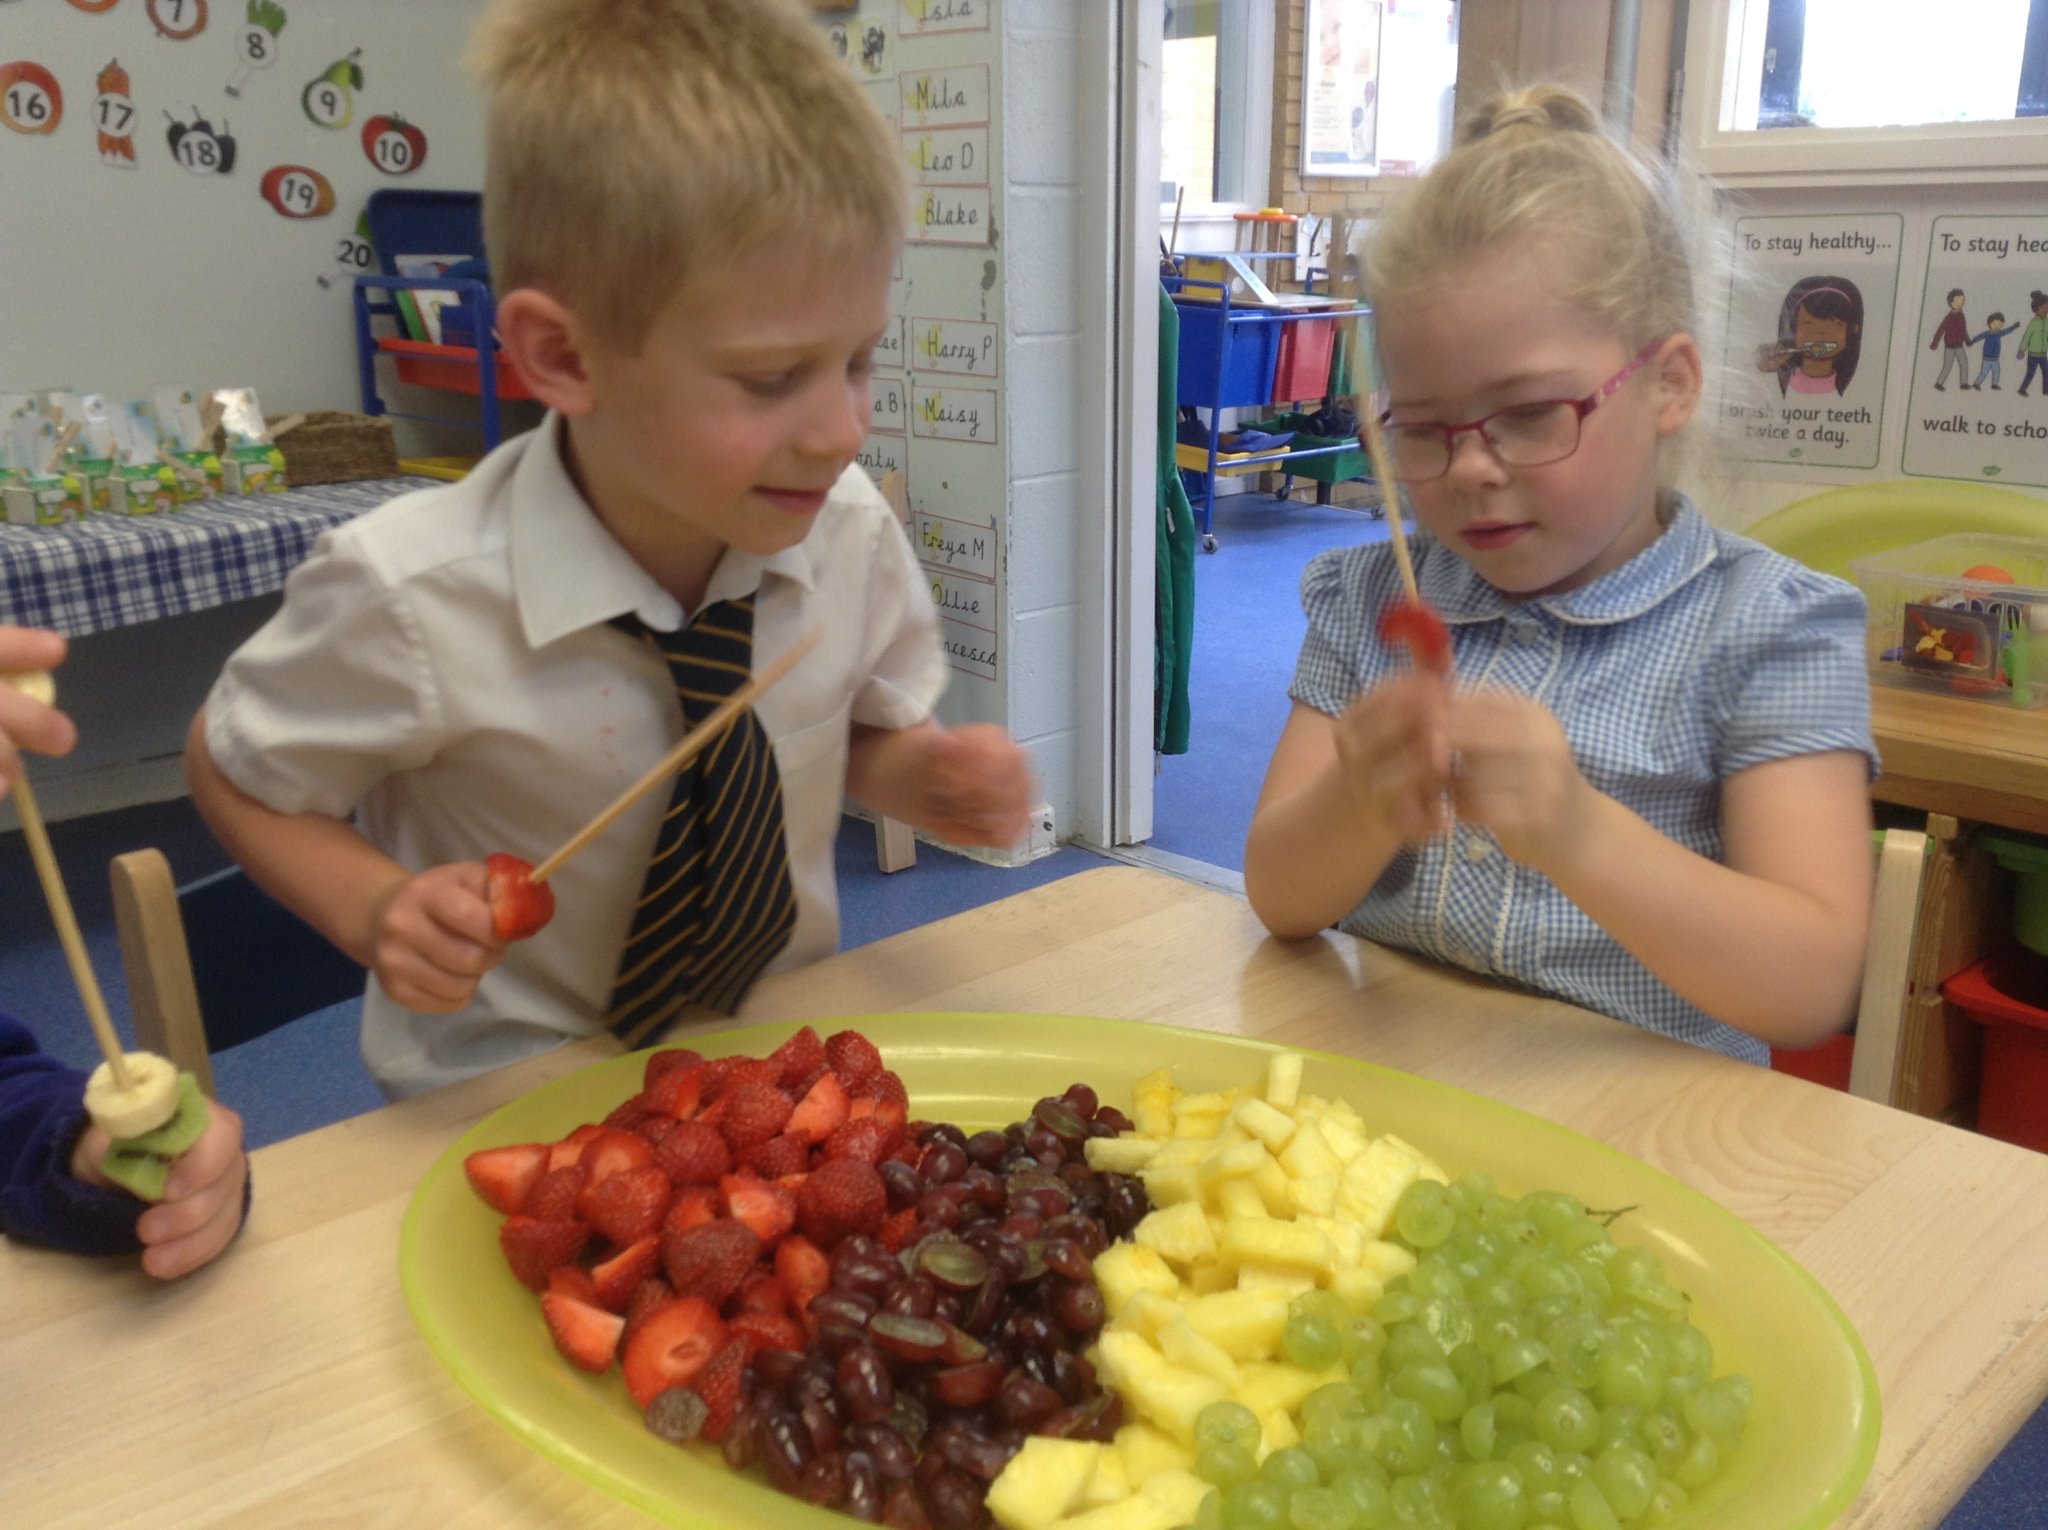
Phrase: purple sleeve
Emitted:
{"points": [[42, 1111]]}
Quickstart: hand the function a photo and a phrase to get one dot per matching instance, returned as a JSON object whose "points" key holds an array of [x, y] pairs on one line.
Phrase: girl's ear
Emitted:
{"points": [[1680, 375], [548, 347]]}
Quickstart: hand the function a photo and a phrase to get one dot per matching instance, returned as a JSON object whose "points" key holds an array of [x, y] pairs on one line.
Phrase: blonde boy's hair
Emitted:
{"points": [[1536, 171], [634, 145]]}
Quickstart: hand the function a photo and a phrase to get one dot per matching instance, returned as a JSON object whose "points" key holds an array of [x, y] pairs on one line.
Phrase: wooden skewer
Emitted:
{"points": [[60, 905], [63, 442], [1383, 461], [289, 422], [722, 717]]}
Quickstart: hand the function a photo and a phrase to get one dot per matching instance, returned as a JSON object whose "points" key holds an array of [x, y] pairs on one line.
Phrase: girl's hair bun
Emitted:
{"points": [[1546, 108]]}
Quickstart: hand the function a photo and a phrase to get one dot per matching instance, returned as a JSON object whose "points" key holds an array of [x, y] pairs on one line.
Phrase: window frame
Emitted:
{"points": [[1723, 83], [1255, 63]]}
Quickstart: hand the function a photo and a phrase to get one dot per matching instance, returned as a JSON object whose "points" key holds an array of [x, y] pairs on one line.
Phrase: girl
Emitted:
{"points": [[1645, 792], [1820, 341]]}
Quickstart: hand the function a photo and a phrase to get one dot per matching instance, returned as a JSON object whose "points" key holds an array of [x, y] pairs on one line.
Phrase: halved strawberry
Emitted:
{"points": [[613, 1283], [693, 1154], [760, 1291], [520, 906], [709, 1261], [804, 1271], [587, 1335], [818, 1113], [866, 1139], [678, 1090], [649, 1297], [669, 1347], [533, 1247], [628, 1114], [842, 1196], [888, 1088], [853, 1057], [778, 1156], [627, 1206], [801, 1057], [768, 1209], [1421, 631], [754, 1113], [899, 1229], [554, 1197], [570, 1149], [613, 1151], [664, 1062], [760, 1071], [767, 1330], [572, 1280], [505, 1176], [718, 1383], [693, 1206]]}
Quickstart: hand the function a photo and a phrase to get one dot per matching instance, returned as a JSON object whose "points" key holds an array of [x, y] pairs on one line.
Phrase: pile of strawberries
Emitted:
{"points": [[692, 1227]]}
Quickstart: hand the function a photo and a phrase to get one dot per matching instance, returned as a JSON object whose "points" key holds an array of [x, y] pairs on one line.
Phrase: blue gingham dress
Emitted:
{"points": [[1705, 654]]}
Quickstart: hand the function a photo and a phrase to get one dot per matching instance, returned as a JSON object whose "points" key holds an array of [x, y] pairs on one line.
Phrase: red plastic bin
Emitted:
{"points": [[449, 367], [2012, 1102], [1303, 369], [1826, 1064]]}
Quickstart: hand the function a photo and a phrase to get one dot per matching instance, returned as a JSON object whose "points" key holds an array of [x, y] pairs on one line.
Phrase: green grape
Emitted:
{"points": [[1421, 1501], [1333, 1444], [1626, 1479], [1327, 1305], [1666, 1504], [1498, 1208], [1209, 1512], [1407, 1439], [1689, 1352], [1576, 1344], [1225, 1464], [1476, 1431], [1590, 1511], [1366, 1379], [1448, 1320], [1491, 1496], [1550, 1506], [1363, 1335], [1434, 1278], [1424, 1217], [1520, 1231], [1534, 1386], [1518, 1359], [1552, 1210], [1469, 1193], [1633, 1267], [1254, 1506], [1621, 1424], [1595, 1289], [1584, 1236], [1321, 1508], [1409, 1344], [1498, 1289], [1290, 1469], [1311, 1342], [1367, 1490], [1720, 1408], [1335, 1403], [1567, 1419], [1495, 1328], [1433, 1384], [1702, 1463], [1512, 1410], [1658, 1300], [1551, 1276], [1397, 1306], [1227, 1423], [1666, 1438], [1537, 1463], [1474, 1372]]}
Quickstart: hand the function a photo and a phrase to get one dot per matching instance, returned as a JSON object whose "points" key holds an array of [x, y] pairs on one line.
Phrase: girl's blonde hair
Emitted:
{"points": [[1536, 171], [634, 145]]}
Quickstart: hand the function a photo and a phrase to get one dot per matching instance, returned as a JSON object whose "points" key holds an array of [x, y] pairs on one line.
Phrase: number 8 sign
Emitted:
{"points": [[30, 101]]}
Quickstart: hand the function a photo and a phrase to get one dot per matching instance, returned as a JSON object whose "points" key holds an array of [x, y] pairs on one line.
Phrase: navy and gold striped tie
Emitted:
{"points": [[717, 903]]}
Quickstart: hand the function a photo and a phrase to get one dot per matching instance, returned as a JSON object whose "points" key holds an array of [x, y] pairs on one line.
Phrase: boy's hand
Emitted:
{"points": [[26, 724], [202, 1204], [434, 938], [1516, 776], [1394, 754], [975, 787]]}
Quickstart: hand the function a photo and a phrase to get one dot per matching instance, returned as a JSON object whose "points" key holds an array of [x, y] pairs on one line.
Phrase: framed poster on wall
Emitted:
{"points": [[1340, 96]]}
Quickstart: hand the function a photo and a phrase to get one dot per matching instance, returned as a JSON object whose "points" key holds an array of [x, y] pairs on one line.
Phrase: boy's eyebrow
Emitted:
{"points": [[769, 352]]}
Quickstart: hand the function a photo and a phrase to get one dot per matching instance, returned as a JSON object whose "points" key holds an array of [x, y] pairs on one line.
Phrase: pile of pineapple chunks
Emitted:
{"points": [[1257, 1195]]}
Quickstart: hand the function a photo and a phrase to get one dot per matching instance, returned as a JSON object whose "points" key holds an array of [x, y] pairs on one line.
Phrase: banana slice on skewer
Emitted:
{"points": [[35, 684], [150, 1099]]}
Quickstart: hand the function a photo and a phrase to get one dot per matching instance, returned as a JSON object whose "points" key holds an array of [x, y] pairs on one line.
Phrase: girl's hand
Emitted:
{"points": [[1516, 777], [434, 938], [975, 787], [202, 1204], [1394, 753], [26, 724]]}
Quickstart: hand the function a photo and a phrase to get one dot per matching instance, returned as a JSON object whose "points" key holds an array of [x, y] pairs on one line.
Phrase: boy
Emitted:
{"points": [[51, 1189], [692, 215], [1992, 338]]}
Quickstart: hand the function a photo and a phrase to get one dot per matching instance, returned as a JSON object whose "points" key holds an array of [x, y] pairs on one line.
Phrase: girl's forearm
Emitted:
{"points": [[1771, 960], [1311, 855]]}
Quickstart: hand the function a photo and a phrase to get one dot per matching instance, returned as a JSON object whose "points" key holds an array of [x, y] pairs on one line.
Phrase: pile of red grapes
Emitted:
{"points": [[927, 1368]]}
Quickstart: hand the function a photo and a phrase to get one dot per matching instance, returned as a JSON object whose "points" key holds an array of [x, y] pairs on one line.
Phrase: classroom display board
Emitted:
{"points": [[933, 70]]}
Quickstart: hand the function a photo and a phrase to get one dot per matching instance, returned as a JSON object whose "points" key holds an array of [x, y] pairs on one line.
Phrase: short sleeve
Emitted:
{"points": [[906, 666], [1792, 679], [331, 695], [1333, 598]]}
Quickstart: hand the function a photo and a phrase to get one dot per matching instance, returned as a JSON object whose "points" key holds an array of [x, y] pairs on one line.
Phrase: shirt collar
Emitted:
{"points": [[569, 572], [1684, 549]]}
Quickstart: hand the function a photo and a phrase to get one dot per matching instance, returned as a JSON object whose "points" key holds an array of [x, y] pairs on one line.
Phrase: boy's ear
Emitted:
{"points": [[1681, 375], [548, 347]]}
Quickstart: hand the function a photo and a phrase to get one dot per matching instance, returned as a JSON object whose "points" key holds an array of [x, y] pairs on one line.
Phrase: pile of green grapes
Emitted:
{"points": [[1527, 1374]]}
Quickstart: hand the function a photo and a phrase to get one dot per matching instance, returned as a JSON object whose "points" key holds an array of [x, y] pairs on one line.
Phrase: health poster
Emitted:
{"points": [[1979, 407], [1809, 337]]}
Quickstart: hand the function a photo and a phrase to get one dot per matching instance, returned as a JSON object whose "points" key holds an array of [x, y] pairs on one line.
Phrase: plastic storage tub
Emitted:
{"points": [[2004, 994], [1251, 351], [2027, 860], [1965, 615]]}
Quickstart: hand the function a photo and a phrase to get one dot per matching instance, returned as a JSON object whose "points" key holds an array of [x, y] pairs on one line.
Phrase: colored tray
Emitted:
{"points": [[1813, 1425]]}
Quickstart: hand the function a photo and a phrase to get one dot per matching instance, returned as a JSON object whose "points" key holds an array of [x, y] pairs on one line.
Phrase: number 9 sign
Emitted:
{"points": [[393, 145], [30, 101]]}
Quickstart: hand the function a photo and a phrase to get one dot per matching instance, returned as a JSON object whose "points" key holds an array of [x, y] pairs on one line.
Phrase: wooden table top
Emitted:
{"points": [[1948, 754], [287, 1386]]}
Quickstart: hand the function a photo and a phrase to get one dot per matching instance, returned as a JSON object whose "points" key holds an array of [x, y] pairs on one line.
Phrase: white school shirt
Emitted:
{"points": [[444, 669]]}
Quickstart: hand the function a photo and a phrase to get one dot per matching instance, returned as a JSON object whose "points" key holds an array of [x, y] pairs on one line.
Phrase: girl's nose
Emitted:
{"points": [[1474, 462]]}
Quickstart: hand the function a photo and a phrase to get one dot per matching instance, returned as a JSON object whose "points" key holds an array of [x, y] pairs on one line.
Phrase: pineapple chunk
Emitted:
{"points": [[1273, 1242], [1042, 1482], [1272, 1277], [1283, 1080], [1314, 1194], [1170, 1184], [1182, 1345], [1359, 1288], [1344, 1134], [1374, 1181], [1270, 1126], [1120, 1155], [1147, 1312], [1185, 1151], [1306, 1155], [1274, 1188], [1201, 1115], [1179, 1491], [1389, 1261], [1210, 1275], [1152, 1100], [1109, 1483], [1276, 1432], [1125, 1269], [1179, 1232], [1148, 1451], [1167, 1395], [1245, 1325], [1239, 1198], [1270, 1386], [1242, 1158], [1134, 1513]]}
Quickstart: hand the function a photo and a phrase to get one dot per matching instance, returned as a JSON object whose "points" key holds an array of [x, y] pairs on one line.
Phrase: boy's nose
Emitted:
{"points": [[839, 422]]}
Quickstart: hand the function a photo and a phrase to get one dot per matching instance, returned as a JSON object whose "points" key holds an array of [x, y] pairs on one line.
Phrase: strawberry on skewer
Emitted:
{"points": [[1410, 620]]}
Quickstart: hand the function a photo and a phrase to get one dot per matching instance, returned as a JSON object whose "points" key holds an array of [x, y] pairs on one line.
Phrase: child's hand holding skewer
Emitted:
{"points": [[27, 719]]}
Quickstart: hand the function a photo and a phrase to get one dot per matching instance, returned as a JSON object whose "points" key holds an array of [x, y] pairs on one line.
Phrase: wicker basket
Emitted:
{"points": [[334, 446]]}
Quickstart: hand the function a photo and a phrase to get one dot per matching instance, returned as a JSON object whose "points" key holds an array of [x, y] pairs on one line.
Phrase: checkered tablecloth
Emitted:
{"points": [[116, 570]]}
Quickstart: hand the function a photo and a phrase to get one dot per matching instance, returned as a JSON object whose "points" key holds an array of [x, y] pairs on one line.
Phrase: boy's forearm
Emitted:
{"points": [[318, 867], [1311, 855], [1767, 959], [884, 767]]}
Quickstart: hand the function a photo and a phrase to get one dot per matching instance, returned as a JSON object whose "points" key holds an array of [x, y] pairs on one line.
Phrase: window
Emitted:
{"points": [[1216, 102], [1840, 63]]}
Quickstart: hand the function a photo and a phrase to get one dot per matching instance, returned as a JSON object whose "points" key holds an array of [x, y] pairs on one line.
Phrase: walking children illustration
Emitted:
{"points": [[1952, 335], [2033, 346]]}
